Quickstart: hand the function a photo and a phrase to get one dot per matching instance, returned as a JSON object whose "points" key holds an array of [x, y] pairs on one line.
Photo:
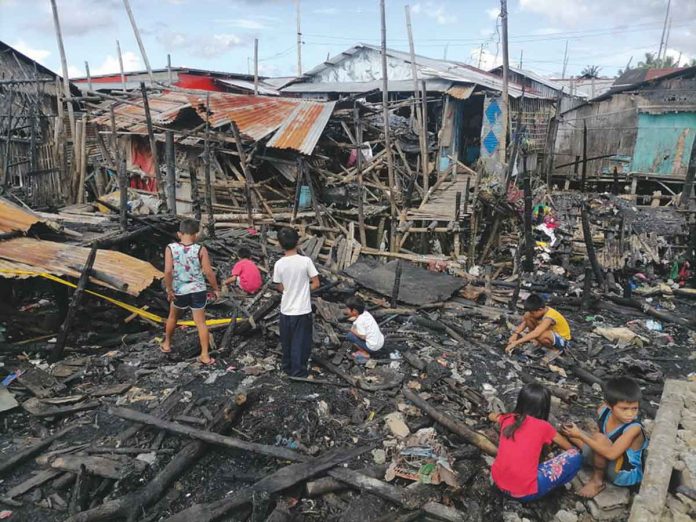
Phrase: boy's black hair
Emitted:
{"points": [[189, 226], [288, 238], [533, 303], [244, 253], [621, 389], [533, 401], [355, 303]]}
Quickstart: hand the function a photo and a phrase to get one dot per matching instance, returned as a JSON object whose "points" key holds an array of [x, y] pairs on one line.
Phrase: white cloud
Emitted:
{"points": [[438, 12], [38, 55], [245, 23], [76, 72], [110, 65], [493, 13], [204, 46], [77, 17], [570, 12], [485, 58], [217, 44]]}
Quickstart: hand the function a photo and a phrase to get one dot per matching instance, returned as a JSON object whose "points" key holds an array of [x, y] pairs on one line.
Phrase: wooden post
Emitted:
{"points": [[387, 138], [551, 140], [169, 70], [153, 147], [584, 156], [424, 137], [615, 184], [208, 183], [361, 188], [64, 68], [57, 352], [89, 77], [34, 123], [417, 111], [123, 194], [6, 160], [528, 238], [120, 66], [298, 185], [315, 201], [256, 66], [506, 66], [248, 179], [397, 284], [299, 41], [170, 153], [589, 245], [140, 41], [587, 288], [82, 162], [195, 196]]}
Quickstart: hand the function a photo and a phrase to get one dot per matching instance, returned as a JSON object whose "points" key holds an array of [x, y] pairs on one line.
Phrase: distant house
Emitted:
{"points": [[463, 101], [29, 105], [643, 130], [584, 87], [183, 77]]}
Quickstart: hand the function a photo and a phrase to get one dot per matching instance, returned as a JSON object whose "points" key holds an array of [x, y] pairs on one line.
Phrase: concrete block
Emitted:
{"points": [[612, 496], [617, 513], [565, 516]]}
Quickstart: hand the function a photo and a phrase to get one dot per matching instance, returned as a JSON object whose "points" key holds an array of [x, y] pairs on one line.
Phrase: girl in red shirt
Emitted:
{"points": [[523, 434]]}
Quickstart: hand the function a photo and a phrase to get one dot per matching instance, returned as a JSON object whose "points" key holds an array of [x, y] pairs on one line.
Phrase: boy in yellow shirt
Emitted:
{"points": [[546, 327]]}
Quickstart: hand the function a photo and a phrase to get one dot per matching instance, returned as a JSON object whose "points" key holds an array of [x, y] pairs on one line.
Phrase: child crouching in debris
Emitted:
{"points": [[365, 333], [516, 470], [245, 273], [616, 449], [546, 327], [295, 276], [186, 266]]}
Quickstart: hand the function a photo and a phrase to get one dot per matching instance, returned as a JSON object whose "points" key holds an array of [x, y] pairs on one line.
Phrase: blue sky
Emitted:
{"points": [[219, 34]]}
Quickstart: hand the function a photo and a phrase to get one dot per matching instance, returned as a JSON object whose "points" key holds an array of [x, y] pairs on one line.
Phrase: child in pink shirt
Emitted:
{"points": [[245, 273]]}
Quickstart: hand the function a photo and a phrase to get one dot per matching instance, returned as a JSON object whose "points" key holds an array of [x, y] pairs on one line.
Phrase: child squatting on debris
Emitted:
{"points": [[524, 433], [546, 327], [365, 333], [185, 265], [245, 273], [617, 449], [295, 276]]}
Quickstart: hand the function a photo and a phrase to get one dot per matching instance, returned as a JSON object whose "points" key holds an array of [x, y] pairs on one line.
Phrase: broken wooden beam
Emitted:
{"points": [[473, 437], [20, 456], [207, 436]]}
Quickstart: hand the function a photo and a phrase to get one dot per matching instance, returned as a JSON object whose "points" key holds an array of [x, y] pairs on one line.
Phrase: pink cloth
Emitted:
{"points": [[249, 276]]}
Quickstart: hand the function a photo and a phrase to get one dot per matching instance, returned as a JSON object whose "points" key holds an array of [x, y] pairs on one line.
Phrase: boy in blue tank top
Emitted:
{"points": [[186, 267], [617, 449]]}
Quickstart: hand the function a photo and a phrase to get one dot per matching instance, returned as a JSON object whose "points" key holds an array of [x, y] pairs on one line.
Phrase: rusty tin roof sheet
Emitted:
{"points": [[297, 123], [14, 218], [64, 259]]}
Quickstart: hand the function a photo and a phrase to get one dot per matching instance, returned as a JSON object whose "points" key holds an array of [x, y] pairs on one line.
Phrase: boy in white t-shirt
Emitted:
{"points": [[295, 276], [365, 333]]}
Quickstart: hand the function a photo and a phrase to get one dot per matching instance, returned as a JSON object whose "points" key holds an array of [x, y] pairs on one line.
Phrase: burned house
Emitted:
{"points": [[640, 131], [31, 120]]}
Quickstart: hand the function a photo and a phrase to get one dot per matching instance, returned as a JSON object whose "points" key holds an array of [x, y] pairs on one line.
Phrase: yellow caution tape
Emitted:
{"points": [[133, 309]]}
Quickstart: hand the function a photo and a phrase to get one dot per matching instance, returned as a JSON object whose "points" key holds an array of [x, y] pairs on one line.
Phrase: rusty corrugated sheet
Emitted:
{"points": [[60, 258], [14, 218], [302, 129], [461, 92], [298, 123]]}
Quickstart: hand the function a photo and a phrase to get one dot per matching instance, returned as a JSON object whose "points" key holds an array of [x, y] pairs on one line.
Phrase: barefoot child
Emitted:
{"points": [[295, 276], [546, 327], [365, 333], [245, 273], [616, 450], [185, 265], [516, 470]]}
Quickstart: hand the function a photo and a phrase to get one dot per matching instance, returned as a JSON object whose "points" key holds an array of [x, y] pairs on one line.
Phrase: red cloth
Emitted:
{"points": [[249, 276], [515, 467]]}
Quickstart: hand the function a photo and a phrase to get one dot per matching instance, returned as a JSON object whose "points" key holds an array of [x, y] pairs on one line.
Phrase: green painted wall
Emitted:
{"points": [[664, 142]]}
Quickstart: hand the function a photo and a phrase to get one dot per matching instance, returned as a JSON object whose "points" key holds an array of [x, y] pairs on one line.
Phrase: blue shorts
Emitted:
{"points": [[357, 341], [560, 342], [194, 301], [555, 472]]}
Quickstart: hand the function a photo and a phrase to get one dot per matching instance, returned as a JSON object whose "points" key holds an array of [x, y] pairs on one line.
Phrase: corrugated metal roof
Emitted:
{"points": [[14, 218], [57, 258], [432, 85], [264, 88], [302, 121], [461, 92], [303, 128]]}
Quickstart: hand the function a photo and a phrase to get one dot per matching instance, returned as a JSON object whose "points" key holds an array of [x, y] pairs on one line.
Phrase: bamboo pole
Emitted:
{"points": [[170, 153], [506, 67], [120, 66], [153, 147], [140, 41], [256, 66], [208, 184], [82, 161], [361, 187]]}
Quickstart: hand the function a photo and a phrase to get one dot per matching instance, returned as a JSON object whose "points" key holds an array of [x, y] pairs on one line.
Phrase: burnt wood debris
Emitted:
{"points": [[403, 193]]}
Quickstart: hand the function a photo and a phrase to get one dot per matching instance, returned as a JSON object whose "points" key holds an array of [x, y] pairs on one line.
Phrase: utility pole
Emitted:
{"points": [[169, 69], [663, 45], [669, 29], [66, 80], [140, 41], [120, 66], [256, 66], [565, 61], [89, 77], [387, 139], [480, 56], [506, 67], [299, 41]]}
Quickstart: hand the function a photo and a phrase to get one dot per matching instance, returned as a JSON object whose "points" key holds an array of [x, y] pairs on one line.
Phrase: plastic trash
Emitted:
{"points": [[653, 325]]}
